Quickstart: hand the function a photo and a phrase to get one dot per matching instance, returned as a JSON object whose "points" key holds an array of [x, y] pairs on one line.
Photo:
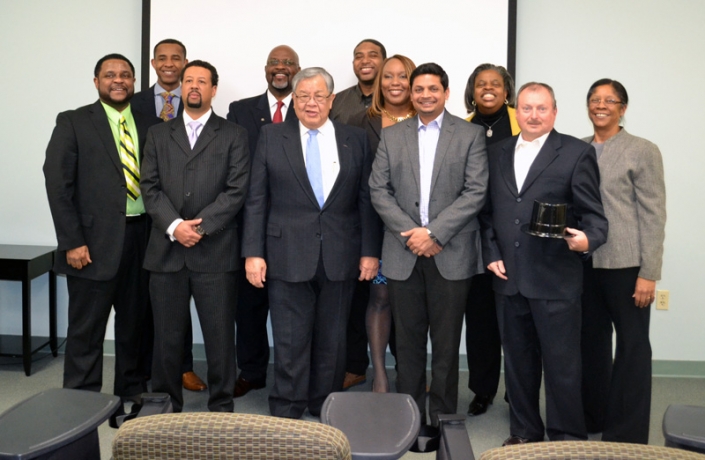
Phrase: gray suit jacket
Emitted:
{"points": [[458, 192], [634, 198], [208, 182]]}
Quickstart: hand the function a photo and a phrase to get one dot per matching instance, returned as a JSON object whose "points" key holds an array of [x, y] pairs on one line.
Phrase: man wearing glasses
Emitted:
{"points": [[310, 232], [274, 106]]}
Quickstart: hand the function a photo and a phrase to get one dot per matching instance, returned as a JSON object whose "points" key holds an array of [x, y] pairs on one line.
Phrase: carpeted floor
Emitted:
{"points": [[486, 431]]}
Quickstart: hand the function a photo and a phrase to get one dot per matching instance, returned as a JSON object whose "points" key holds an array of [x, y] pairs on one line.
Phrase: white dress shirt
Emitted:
{"points": [[524, 155], [273, 104], [328, 148], [428, 141]]}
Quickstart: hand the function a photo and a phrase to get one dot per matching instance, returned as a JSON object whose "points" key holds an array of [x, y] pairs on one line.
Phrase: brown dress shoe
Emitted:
{"points": [[242, 387], [514, 440], [352, 380], [192, 382]]}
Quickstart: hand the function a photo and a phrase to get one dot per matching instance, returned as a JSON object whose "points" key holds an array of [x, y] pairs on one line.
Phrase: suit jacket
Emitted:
{"points": [[564, 171], [284, 223], [208, 182], [372, 126], [634, 198], [458, 192], [86, 189], [253, 113], [143, 102]]}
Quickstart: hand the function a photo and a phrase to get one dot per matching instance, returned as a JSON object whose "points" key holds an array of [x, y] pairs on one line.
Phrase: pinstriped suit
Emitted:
{"points": [[208, 182]]}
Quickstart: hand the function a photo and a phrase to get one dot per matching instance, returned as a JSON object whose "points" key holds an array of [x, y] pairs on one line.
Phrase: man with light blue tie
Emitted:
{"points": [[310, 232], [428, 184]]}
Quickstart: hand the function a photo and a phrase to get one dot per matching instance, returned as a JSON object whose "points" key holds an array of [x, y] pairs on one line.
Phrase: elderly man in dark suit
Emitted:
{"points": [[538, 281], [274, 106], [428, 184], [194, 180], [310, 231], [92, 173], [163, 99]]}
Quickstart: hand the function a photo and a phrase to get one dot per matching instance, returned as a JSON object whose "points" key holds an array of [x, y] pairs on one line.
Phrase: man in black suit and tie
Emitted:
{"points": [[538, 280], [194, 180], [274, 106], [164, 100], [92, 182], [164, 97], [310, 231]]}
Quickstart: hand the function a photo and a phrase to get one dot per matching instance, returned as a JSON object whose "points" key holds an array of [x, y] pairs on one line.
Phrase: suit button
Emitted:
{"points": [[516, 221], [516, 244], [318, 235], [417, 204], [188, 193], [519, 200]]}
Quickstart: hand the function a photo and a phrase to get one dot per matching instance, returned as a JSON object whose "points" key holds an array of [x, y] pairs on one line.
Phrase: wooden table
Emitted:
{"points": [[24, 263]]}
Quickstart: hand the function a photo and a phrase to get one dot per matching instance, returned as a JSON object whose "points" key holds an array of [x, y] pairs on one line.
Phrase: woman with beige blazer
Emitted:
{"points": [[620, 278]]}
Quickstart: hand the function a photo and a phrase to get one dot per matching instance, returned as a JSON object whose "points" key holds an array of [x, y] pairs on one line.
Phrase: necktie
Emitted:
{"points": [[313, 166], [129, 161], [168, 109], [278, 113], [193, 135]]}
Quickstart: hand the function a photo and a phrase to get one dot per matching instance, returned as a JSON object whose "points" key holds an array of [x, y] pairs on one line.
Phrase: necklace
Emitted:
{"points": [[396, 119], [489, 127]]}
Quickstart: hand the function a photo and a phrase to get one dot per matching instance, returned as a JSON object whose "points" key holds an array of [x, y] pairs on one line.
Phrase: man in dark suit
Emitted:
{"points": [[428, 184], [194, 180], [92, 173], [164, 100], [310, 231], [274, 106], [538, 281], [164, 97]]}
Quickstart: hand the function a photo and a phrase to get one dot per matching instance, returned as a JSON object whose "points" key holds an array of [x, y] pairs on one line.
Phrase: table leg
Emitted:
{"points": [[52, 314], [27, 323]]}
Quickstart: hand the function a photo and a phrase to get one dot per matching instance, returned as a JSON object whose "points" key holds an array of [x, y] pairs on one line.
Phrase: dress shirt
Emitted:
{"points": [[203, 119], [524, 155], [159, 100], [428, 141], [273, 105], [328, 147], [132, 207]]}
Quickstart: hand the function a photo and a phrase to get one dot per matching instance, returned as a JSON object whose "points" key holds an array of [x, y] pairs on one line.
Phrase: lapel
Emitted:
{"points": [[376, 125], [208, 134], [295, 156], [262, 115], [444, 138], [411, 134], [290, 112], [345, 154], [545, 157], [152, 102], [606, 162], [180, 136], [102, 126], [141, 131], [506, 164]]}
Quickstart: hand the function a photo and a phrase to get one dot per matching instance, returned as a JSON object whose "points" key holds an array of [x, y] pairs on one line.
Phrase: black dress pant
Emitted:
{"points": [[483, 345], [215, 297], [90, 302], [252, 340], [616, 394], [542, 335], [357, 358], [428, 302]]}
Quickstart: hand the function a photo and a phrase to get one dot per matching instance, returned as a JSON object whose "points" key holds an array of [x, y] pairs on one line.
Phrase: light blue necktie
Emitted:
{"points": [[193, 136], [313, 166]]}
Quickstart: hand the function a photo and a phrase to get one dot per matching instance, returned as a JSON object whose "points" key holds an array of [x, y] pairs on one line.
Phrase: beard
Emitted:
{"points": [[106, 97], [194, 105]]}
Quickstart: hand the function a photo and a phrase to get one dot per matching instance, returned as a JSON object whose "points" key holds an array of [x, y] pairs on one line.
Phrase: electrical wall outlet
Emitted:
{"points": [[662, 299]]}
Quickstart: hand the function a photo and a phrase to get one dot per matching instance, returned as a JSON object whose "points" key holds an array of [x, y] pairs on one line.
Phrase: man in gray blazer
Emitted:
{"points": [[310, 232], [428, 184], [194, 179]]}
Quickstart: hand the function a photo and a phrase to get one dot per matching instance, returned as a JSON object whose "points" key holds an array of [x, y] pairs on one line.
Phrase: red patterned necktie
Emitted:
{"points": [[168, 109], [278, 114]]}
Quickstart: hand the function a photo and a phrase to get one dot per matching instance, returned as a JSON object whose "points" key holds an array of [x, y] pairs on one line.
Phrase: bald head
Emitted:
{"points": [[282, 64]]}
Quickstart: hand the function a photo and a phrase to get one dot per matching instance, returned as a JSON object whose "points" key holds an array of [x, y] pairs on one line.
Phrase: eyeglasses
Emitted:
{"points": [[286, 62], [319, 98], [606, 101]]}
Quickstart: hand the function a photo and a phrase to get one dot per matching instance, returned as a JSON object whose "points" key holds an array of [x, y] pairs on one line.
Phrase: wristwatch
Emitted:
{"points": [[433, 238], [199, 230]]}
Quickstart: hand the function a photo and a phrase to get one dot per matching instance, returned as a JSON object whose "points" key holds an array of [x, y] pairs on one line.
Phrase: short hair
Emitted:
{"points": [[108, 57], [430, 68], [470, 87], [169, 41], [312, 72], [377, 105], [205, 65], [534, 85], [616, 86], [374, 42]]}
